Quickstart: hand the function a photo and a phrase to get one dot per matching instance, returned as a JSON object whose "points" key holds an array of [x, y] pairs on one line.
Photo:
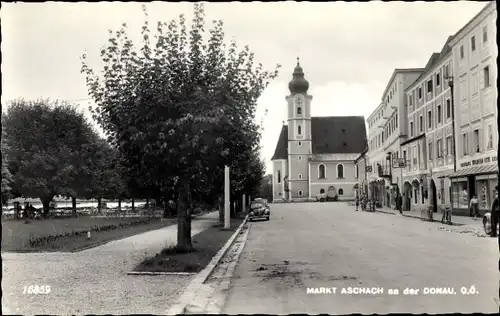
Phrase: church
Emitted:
{"points": [[315, 155]]}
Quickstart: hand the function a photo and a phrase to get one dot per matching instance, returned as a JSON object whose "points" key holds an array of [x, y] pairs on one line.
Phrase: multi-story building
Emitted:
{"points": [[428, 150], [475, 51], [387, 129], [315, 155]]}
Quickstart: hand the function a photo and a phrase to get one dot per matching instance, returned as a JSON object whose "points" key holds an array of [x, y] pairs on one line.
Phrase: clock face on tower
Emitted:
{"points": [[299, 100]]}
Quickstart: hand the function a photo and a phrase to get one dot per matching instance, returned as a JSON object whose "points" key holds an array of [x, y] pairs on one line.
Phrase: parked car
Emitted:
{"points": [[487, 223], [322, 197], [259, 209]]}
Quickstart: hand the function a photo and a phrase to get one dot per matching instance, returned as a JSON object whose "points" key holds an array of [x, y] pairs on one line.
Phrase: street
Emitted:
{"points": [[307, 245]]}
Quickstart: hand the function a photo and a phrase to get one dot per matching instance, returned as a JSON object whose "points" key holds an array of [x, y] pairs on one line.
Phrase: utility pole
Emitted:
{"points": [[452, 99], [227, 202]]}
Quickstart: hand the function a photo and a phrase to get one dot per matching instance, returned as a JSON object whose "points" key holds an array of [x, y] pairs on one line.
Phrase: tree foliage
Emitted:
{"points": [[179, 107], [6, 175], [51, 149]]}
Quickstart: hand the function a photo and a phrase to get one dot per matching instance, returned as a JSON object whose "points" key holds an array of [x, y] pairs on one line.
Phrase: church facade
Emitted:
{"points": [[315, 155]]}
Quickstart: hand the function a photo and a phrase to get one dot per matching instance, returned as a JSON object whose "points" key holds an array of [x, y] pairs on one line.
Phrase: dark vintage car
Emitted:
{"points": [[259, 209], [487, 223]]}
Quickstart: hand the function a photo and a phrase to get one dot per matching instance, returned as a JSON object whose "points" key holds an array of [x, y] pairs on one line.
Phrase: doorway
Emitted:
{"points": [[434, 197]]}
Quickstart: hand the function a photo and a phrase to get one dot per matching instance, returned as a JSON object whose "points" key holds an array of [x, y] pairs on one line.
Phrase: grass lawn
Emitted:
{"points": [[206, 245], [16, 234]]}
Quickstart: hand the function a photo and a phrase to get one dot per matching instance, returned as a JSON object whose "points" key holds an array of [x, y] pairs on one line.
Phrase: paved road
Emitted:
{"points": [[331, 245], [95, 281]]}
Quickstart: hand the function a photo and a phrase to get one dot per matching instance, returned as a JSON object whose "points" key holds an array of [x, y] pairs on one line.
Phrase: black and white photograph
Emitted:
{"points": [[284, 157]]}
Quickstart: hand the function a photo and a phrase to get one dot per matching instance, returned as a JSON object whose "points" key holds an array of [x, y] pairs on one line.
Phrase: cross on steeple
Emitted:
{"points": [[298, 63]]}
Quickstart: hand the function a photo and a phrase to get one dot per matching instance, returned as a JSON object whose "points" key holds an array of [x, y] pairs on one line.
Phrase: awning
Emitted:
{"points": [[474, 170]]}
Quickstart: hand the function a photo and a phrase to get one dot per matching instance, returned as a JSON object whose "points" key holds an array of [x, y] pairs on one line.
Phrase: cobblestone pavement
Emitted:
{"points": [[95, 281], [331, 245]]}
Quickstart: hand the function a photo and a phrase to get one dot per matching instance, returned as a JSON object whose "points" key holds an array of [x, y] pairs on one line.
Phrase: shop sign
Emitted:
{"points": [[479, 161]]}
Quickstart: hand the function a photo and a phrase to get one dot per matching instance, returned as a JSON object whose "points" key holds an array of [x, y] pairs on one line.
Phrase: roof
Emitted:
{"points": [[433, 61], [281, 151], [330, 134], [394, 73], [338, 134], [475, 170]]}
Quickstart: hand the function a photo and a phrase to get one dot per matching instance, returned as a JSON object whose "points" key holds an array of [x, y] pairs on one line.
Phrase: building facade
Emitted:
{"points": [[387, 129], [315, 155], [474, 55], [429, 148], [447, 130]]}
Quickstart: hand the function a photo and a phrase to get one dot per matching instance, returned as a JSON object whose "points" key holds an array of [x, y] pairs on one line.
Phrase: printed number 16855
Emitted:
{"points": [[36, 289]]}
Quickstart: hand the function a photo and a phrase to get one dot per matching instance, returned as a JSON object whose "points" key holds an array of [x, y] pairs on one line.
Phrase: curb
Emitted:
{"points": [[197, 282], [96, 245], [108, 241], [391, 213], [160, 273], [222, 291]]}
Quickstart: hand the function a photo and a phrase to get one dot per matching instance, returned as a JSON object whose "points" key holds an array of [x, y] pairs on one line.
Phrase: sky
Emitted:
{"points": [[348, 50]]}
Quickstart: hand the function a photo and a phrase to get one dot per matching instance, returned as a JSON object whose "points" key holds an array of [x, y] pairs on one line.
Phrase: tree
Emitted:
{"points": [[6, 177], [104, 171], [168, 106], [44, 141]]}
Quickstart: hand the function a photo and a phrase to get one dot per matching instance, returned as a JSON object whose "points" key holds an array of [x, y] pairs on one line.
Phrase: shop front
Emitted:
{"points": [[480, 181]]}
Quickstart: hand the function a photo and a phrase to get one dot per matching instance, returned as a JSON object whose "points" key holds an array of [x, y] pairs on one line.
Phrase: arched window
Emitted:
{"points": [[341, 192], [322, 191], [279, 176], [321, 171], [299, 110], [340, 171], [299, 130]]}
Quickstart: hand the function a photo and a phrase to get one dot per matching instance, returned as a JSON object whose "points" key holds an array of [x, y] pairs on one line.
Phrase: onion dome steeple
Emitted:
{"points": [[298, 84]]}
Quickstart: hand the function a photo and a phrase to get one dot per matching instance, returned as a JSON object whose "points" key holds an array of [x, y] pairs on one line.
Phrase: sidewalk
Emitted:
{"points": [[461, 220], [95, 281]]}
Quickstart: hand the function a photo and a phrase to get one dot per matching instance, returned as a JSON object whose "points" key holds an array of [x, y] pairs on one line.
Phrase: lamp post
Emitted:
{"points": [[450, 84]]}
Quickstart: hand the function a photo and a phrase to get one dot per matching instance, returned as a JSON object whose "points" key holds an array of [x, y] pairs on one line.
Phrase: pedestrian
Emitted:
{"points": [[494, 214], [357, 202], [474, 207], [399, 202]]}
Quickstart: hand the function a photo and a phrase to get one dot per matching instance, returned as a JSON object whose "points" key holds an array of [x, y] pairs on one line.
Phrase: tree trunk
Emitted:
{"points": [[99, 205], [46, 204], [119, 204], [73, 206], [133, 204], [147, 202], [184, 218], [232, 206], [166, 210]]}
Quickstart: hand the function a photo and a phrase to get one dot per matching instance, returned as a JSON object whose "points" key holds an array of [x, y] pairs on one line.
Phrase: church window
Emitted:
{"points": [[341, 192], [321, 172], [299, 110], [300, 193], [340, 171], [279, 176], [300, 176], [299, 130], [321, 191], [299, 157], [300, 144]]}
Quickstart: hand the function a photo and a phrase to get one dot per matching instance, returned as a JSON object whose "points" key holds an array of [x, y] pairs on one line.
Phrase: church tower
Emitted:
{"points": [[299, 135]]}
